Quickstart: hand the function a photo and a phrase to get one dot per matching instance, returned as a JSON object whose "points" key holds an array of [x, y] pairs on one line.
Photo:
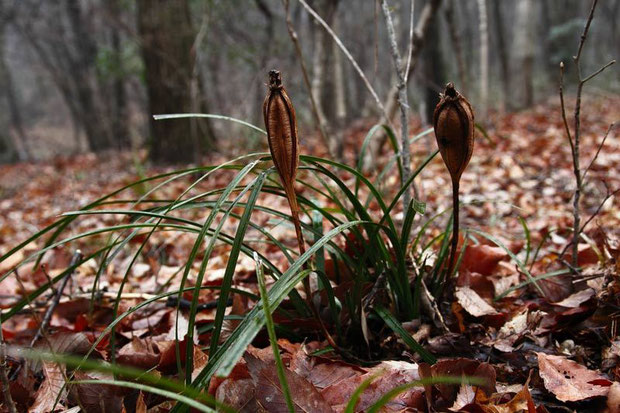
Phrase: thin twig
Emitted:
{"points": [[410, 52], [598, 71], [346, 53], [598, 150], [598, 209], [591, 217], [403, 103], [77, 256], [295, 39], [564, 119]]}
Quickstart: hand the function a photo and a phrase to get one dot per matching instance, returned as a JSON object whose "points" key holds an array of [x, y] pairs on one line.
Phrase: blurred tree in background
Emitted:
{"points": [[87, 75]]}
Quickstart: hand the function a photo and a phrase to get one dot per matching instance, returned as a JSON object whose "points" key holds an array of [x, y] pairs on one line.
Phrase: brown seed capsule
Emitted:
{"points": [[453, 121], [281, 127]]}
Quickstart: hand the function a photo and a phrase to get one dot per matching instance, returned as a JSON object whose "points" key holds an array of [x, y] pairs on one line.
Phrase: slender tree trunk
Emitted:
{"points": [[120, 127], [455, 39], [484, 59], [320, 66], [524, 50], [502, 51], [434, 75], [340, 98]]}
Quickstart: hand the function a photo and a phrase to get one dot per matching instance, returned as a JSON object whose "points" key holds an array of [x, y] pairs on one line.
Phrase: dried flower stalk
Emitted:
{"points": [[281, 127], [453, 121]]}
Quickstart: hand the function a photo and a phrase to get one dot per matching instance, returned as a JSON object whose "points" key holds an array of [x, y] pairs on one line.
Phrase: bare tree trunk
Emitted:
{"points": [[524, 50], [433, 69], [120, 127], [455, 38], [340, 98], [83, 74], [502, 51], [320, 63], [484, 59], [167, 37], [17, 140]]}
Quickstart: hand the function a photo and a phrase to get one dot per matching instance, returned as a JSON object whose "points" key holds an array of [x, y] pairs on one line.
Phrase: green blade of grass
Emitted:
{"points": [[231, 265], [150, 389], [395, 326], [511, 255], [208, 115], [355, 397], [385, 399], [227, 355], [162, 383], [273, 339]]}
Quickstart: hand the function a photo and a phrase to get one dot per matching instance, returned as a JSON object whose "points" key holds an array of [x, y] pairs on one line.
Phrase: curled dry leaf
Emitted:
{"points": [[482, 259], [570, 381], [52, 388], [473, 303]]}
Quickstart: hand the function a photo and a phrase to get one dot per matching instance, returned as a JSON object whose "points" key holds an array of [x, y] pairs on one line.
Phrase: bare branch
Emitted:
{"points": [[346, 53], [598, 151], [568, 135], [402, 101], [295, 39], [77, 256], [411, 27], [584, 35], [598, 71], [598, 209]]}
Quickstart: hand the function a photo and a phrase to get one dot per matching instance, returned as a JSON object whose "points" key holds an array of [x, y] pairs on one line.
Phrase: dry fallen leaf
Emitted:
{"points": [[473, 303], [269, 395], [570, 381], [482, 259]]}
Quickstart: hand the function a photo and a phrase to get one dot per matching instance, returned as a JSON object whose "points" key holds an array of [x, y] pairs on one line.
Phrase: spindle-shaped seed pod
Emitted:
{"points": [[281, 127], [453, 122]]}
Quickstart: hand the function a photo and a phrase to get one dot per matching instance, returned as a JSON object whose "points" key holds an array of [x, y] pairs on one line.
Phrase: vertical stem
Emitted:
{"points": [[455, 226], [577, 172], [403, 103]]}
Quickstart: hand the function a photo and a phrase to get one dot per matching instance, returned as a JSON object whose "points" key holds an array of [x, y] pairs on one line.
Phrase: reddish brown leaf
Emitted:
{"points": [[269, 393], [568, 380], [482, 259], [140, 353]]}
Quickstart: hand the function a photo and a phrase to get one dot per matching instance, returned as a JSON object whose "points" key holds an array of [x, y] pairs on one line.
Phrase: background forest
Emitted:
{"points": [[85, 75]]}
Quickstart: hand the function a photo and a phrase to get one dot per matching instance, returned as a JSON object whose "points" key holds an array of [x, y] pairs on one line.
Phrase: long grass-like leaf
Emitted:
{"points": [[273, 339], [394, 324]]}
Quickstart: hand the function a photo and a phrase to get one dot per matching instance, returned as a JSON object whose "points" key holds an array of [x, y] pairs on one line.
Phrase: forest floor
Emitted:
{"points": [[560, 352]]}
